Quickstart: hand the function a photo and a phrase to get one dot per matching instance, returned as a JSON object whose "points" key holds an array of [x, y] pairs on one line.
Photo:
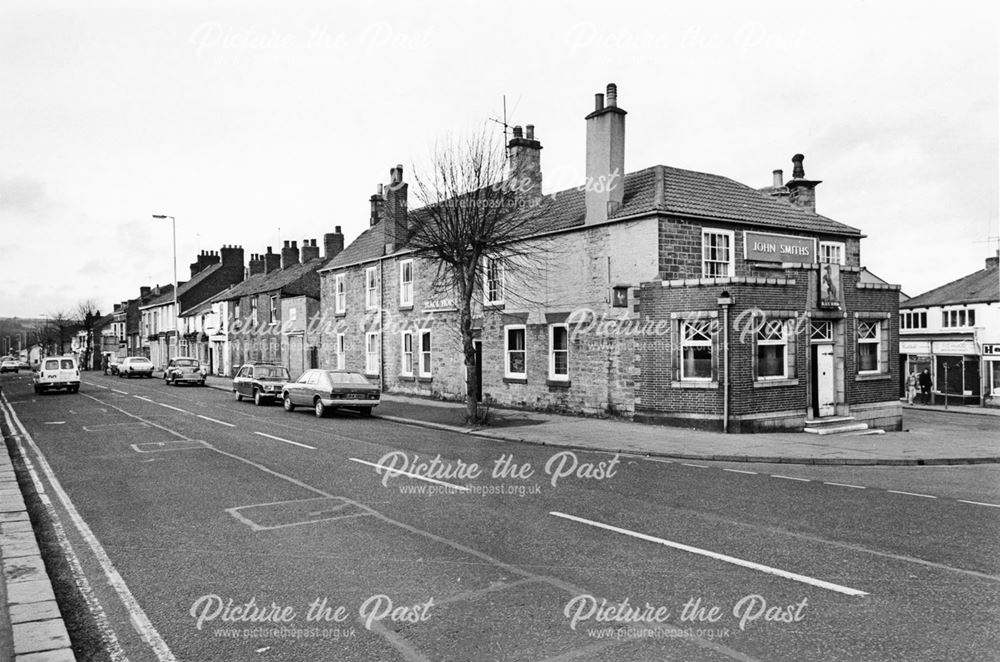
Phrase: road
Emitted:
{"points": [[180, 506]]}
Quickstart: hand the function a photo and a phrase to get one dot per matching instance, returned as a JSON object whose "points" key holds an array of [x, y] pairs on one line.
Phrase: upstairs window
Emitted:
{"points": [[253, 311], [716, 253], [272, 313], [913, 320], [493, 287], [371, 288], [340, 294], [958, 318], [406, 283], [831, 252]]}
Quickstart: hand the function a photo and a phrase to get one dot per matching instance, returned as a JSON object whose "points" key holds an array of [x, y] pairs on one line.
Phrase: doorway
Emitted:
{"points": [[824, 386]]}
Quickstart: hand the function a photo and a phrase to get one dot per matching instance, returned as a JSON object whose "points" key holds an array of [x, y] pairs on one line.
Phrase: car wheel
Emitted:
{"points": [[74, 389], [257, 399], [37, 390], [319, 408], [366, 412], [287, 402], [201, 383], [239, 396]]}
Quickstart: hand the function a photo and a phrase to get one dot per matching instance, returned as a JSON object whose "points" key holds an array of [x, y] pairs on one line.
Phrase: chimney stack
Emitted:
{"points": [[992, 262], [397, 221], [526, 163], [289, 254], [333, 243], [802, 191], [144, 291], [378, 203], [605, 183], [257, 266], [231, 256], [272, 261], [310, 251]]}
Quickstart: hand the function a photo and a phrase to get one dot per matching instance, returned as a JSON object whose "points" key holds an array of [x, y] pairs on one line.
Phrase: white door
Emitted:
{"points": [[824, 380]]}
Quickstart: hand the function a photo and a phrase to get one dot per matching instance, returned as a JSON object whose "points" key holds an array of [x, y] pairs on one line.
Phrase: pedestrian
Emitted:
{"points": [[925, 386], [911, 386]]}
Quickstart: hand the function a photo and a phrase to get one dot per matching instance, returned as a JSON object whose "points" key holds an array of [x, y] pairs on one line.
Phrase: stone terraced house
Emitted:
{"points": [[665, 296]]}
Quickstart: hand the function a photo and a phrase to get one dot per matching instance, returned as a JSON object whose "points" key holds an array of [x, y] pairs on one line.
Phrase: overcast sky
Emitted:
{"points": [[242, 119]]}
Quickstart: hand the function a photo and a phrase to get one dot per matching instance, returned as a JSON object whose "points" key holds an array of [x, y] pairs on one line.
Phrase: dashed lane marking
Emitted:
{"points": [[805, 579], [183, 411], [923, 496], [741, 471], [698, 466], [287, 441], [853, 487], [400, 472], [801, 480], [980, 503], [215, 421], [114, 390]]}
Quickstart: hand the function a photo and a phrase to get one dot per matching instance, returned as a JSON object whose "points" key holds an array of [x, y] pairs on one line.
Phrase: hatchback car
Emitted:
{"points": [[135, 366], [56, 372], [326, 390], [183, 369], [262, 382], [10, 365]]}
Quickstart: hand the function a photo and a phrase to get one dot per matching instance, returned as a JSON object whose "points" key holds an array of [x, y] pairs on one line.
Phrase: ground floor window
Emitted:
{"points": [[406, 368], [957, 375], [772, 345], [869, 346], [341, 351], [515, 361], [425, 353], [559, 352], [993, 370], [696, 350], [372, 363]]}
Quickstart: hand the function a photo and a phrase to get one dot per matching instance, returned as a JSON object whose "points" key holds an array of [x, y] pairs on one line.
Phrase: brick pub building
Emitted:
{"points": [[664, 295]]}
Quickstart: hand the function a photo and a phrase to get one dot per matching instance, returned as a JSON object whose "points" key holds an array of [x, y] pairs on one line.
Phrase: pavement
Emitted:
{"points": [[927, 438]]}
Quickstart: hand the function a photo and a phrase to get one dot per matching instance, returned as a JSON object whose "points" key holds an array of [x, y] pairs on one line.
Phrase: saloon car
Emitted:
{"points": [[260, 382], [326, 390], [57, 372], [183, 369], [9, 364], [135, 366]]}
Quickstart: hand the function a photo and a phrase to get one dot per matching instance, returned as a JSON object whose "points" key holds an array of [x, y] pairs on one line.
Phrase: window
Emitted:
{"points": [[913, 320], [425, 353], [821, 331], [771, 347], [514, 352], [236, 310], [559, 352], [953, 318], [340, 294], [494, 286], [253, 310], [293, 314], [407, 354], [869, 337], [406, 283], [341, 351], [372, 363], [696, 350], [831, 251], [619, 297], [371, 288], [272, 312], [717, 253]]}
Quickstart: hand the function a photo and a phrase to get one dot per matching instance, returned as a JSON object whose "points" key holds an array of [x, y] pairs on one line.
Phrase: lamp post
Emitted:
{"points": [[173, 223]]}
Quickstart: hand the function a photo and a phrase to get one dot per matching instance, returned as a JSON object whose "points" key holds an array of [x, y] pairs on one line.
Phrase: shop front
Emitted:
{"points": [[991, 374]]}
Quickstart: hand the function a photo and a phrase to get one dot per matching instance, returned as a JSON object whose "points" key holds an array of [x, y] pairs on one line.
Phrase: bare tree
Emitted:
{"points": [[474, 208], [52, 331], [87, 315]]}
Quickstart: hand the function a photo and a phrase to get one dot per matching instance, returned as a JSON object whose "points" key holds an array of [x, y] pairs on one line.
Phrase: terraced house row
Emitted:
{"points": [[664, 295]]}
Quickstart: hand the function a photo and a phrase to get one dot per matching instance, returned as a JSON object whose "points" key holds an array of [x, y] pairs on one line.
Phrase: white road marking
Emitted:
{"points": [[400, 472], [139, 619], [287, 441], [183, 411], [740, 471], [140, 397], [801, 480], [53, 422], [925, 496], [216, 421], [114, 390], [854, 487], [980, 503], [715, 555], [699, 466]]}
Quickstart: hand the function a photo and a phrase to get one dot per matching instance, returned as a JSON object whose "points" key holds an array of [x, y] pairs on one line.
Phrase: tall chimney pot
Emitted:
{"points": [[778, 178]]}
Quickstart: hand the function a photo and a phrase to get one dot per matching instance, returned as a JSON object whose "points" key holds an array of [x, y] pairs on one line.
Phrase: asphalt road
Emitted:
{"points": [[177, 500]]}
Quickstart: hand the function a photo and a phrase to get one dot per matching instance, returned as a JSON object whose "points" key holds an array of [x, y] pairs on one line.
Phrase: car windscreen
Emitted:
{"points": [[270, 372], [52, 365], [347, 378], [186, 363]]}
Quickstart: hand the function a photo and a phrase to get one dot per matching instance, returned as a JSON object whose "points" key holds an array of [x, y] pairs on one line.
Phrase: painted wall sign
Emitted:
{"points": [[764, 247], [914, 347], [954, 347]]}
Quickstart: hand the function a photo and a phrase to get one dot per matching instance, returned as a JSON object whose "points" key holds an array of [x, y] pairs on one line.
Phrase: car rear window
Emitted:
{"points": [[348, 378], [66, 364], [186, 363], [270, 372], [52, 365]]}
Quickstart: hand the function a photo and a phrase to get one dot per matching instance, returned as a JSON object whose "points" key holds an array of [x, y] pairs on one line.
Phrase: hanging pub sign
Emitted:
{"points": [[766, 247], [829, 285]]}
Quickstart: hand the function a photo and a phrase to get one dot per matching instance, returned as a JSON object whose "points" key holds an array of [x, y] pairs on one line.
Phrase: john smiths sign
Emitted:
{"points": [[764, 247]]}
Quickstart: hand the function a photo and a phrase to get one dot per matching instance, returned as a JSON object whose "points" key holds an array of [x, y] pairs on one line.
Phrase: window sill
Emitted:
{"points": [[406, 378], [342, 313], [425, 379], [406, 306], [875, 376], [498, 305], [765, 383], [559, 383], [515, 380], [694, 384], [372, 375]]}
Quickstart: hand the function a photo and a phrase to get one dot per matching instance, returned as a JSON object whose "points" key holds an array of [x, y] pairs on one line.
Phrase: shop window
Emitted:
{"points": [[515, 352], [559, 352], [994, 372], [717, 253], [696, 350]]}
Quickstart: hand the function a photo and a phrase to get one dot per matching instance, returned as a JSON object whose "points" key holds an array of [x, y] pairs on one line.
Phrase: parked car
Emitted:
{"points": [[113, 364], [184, 369], [135, 366], [9, 365], [56, 372], [326, 390], [262, 382]]}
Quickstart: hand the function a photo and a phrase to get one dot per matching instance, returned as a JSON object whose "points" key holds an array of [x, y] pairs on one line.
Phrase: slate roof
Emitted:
{"points": [[202, 307], [979, 287], [684, 193], [168, 296], [283, 280]]}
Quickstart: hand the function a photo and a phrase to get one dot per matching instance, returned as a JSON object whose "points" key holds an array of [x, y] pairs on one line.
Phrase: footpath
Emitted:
{"points": [[931, 435]]}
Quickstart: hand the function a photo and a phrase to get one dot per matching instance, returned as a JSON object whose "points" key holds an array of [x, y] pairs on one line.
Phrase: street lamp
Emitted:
{"points": [[173, 223]]}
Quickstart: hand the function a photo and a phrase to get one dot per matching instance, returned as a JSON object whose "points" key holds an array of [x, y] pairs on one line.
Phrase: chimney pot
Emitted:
{"points": [[612, 95], [798, 172], [337, 229], [517, 132], [380, 189], [598, 101], [530, 131], [778, 178]]}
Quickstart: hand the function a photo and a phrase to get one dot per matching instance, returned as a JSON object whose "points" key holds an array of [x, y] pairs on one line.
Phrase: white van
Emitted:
{"points": [[55, 372]]}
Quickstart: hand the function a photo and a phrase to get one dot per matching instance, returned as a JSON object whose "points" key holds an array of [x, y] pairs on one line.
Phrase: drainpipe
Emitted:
{"points": [[725, 301]]}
